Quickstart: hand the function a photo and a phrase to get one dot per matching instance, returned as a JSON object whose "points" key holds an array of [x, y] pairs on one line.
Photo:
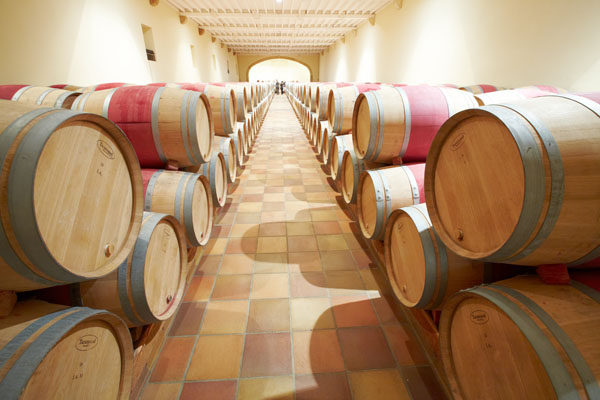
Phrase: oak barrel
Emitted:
{"points": [[478, 89], [72, 201], [50, 351], [216, 173], [150, 284], [223, 104], [340, 105], [240, 148], [39, 95], [381, 191], [226, 146], [522, 339], [518, 183], [186, 196], [162, 123], [73, 88], [402, 121], [351, 171], [507, 96], [339, 144], [421, 271], [104, 86]]}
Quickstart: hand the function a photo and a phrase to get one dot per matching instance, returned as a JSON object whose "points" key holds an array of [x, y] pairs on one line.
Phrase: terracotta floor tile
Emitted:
{"points": [[223, 218], [274, 189], [161, 391], [317, 351], [404, 345], [385, 311], [244, 230], [274, 206], [208, 265], [318, 195], [422, 383], [247, 218], [250, 207], [188, 319], [270, 263], [295, 197], [340, 260], [223, 317], [269, 316], [235, 264], [354, 341], [311, 313], [331, 242], [353, 242], [267, 354], [308, 284], [270, 286], [220, 231], [362, 259], [326, 227], [304, 262], [232, 287], [252, 198], [199, 288], [245, 245], [302, 243], [173, 359], [219, 390], [323, 215], [216, 357], [374, 279], [272, 216], [297, 216], [344, 283], [274, 197], [279, 388], [296, 205], [272, 229], [380, 385], [276, 244], [215, 246], [353, 311], [299, 228], [323, 386]]}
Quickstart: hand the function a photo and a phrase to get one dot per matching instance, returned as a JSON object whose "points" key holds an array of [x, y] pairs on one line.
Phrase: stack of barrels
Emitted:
{"points": [[510, 180], [99, 218]]}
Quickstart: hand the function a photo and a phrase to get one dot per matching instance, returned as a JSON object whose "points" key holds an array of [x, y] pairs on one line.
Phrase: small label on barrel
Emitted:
{"points": [[479, 317], [105, 149], [458, 142], [87, 342]]}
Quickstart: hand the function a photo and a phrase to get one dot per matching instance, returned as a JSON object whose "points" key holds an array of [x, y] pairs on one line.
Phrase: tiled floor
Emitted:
{"points": [[286, 304]]}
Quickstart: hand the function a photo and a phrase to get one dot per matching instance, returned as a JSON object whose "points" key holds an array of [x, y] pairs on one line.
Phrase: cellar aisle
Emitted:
{"points": [[285, 303]]}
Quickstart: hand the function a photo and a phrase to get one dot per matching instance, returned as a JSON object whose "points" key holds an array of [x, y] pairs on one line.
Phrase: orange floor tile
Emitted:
{"points": [[285, 303]]}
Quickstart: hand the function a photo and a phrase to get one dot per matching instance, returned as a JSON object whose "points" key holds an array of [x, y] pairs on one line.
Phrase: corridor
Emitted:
{"points": [[285, 303]]}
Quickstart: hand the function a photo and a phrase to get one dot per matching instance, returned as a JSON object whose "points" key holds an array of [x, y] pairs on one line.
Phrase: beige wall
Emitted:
{"points": [[503, 42], [309, 60], [84, 42]]}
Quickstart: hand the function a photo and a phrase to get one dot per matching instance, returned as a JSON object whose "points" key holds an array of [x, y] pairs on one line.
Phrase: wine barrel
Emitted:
{"points": [[72, 88], [339, 145], [72, 202], [226, 146], [518, 183], [340, 105], [162, 123], [55, 352], [150, 284], [244, 137], [326, 144], [240, 149], [402, 121], [522, 339], [321, 96], [507, 96], [241, 98], [381, 191], [104, 86], [594, 96], [223, 104], [39, 95], [421, 271], [547, 88], [352, 168], [184, 195], [318, 133], [216, 173], [478, 89]]}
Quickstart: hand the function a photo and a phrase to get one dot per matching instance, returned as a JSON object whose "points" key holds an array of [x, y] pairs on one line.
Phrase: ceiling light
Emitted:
{"points": [[278, 1]]}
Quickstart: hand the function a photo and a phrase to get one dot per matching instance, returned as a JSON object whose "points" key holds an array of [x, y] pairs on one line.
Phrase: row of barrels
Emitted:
{"points": [[504, 181], [111, 241]]}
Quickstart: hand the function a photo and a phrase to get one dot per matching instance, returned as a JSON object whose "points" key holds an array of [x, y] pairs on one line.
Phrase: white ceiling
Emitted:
{"points": [[271, 27]]}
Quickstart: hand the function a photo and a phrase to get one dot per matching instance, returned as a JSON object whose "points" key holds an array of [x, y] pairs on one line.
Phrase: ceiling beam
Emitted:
{"points": [[275, 27], [280, 35], [277, 14]]}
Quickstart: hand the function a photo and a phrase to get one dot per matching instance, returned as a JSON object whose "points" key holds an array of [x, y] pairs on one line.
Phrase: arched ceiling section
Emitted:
{"points": [[279, 68]]}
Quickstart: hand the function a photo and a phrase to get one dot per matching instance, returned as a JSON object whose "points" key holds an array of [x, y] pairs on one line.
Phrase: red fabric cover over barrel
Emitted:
{"points": [[450, 85], [131, 109], [146, 175], [418, 171], [196, 87], [488, 88], [110, 85], [594, 96], [588, 277], [428, 111], [60, 86], [529, 93], [367, 87], [546, 88], [8, 91], [157, 84]]}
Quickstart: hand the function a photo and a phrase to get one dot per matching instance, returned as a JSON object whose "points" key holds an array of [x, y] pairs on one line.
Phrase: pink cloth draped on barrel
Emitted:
{"points": [[131, 109], [594, 96], [146, 175], [418, 171], [428, 111], [8, 91]]}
